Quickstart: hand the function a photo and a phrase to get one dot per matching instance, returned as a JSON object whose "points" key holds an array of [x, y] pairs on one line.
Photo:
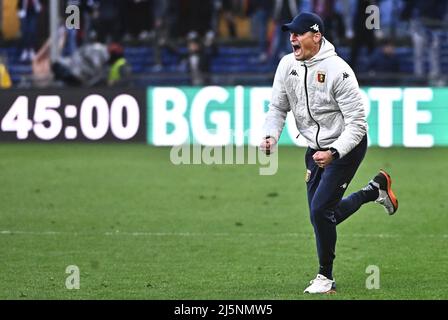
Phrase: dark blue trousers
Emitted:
{"points": [[325, 189]]}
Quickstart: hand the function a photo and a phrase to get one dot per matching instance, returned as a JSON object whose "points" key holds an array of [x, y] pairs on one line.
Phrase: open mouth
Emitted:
{"points": [[297, 49]]}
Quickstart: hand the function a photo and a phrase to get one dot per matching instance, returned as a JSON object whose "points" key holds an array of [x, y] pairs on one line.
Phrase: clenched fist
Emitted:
{"points": [[323, 158], [267, 145]]}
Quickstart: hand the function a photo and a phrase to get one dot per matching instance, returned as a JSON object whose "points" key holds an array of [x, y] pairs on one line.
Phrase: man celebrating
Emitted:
{"points": [[322, 92]]}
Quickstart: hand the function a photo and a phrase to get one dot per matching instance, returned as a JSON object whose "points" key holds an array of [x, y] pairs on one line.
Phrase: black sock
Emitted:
{"points": [[369, 193], [326, 271]]}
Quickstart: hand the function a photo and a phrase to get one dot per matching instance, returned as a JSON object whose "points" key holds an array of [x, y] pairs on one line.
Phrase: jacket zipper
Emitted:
{"points": [[308, 108]]}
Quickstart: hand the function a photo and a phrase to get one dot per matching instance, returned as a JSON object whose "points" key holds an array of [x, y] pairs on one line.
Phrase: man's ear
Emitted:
{"points": [[317, 37]]}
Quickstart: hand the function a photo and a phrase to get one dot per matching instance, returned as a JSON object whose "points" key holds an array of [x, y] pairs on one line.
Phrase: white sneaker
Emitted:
{"points": [[321, 285]]}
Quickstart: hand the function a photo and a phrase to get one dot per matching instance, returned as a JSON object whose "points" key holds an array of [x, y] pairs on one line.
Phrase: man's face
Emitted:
{"points": [[305, 45]]}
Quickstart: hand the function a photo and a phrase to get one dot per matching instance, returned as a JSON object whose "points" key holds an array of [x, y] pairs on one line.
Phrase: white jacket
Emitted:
{"points": [[325, 98]]}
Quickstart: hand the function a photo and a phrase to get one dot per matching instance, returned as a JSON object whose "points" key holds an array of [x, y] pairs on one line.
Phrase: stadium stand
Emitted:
{"points": [[230, 66], [237, 61]]}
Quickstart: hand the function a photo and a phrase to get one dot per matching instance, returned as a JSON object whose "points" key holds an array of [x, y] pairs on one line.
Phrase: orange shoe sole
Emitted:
{"points": [[390, 193]]}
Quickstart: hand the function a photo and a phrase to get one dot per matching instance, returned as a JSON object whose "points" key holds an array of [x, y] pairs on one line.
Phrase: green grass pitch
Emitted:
{"points": [[139, 227]]}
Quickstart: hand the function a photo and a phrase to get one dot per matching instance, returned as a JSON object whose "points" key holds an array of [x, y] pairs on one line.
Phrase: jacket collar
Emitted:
{"points": [[326, 50]]}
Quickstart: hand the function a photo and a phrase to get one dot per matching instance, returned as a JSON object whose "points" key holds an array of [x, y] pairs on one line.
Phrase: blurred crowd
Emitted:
{"points": [[201, 26]]}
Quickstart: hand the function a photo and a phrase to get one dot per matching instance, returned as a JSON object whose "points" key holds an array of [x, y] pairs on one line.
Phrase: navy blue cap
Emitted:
{"points": [[304, 22]]}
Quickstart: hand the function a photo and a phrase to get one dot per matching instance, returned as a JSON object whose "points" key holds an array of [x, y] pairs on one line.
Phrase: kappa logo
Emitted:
{"points": [[315, 27], [345, 75], [293, 73], [344, 186]]}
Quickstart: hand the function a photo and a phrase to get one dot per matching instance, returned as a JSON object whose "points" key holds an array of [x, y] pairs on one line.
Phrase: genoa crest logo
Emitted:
{"points": [[321, 77]]}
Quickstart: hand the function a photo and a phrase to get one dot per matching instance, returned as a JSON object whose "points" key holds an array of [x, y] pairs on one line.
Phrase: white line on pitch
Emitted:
{"points": [[198, 234]]}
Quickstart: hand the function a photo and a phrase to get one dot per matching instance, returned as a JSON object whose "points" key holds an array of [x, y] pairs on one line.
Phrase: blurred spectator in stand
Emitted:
{"points": [[86, 67], [5, 78], [42, 73], [197, 60], [88, 9], [259, 11], [428, 25], [385, 59], [109, 20], [284, 11], [229, 9], [177, 18], [89, 12], [120, 70], [138, 19], [196, 15], [28, 12], [76, 37], [384, 65], [347, 9], [390, 11], [166, 16], [333, 21], [363, 37], [217, 8]]}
